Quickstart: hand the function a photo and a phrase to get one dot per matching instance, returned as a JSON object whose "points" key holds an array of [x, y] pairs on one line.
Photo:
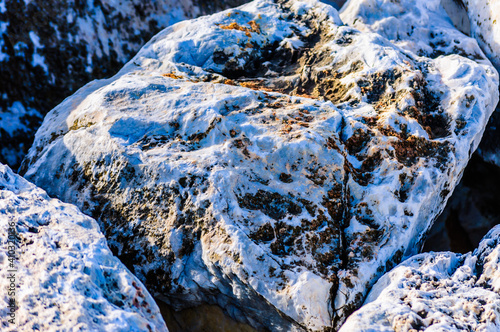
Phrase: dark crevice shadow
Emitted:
{"points": [[472, 210]]}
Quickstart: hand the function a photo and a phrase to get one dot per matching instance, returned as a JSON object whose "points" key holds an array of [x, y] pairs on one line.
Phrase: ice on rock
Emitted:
{"points": [[230, 164], [484, 18], [60, 271], [49, 49], [440, 291]]}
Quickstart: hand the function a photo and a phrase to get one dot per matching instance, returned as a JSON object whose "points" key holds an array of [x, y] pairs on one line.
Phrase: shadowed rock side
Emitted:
{"points": [[471, 211], [65, 277], [48, 49], [267, 159], [437, 292]]}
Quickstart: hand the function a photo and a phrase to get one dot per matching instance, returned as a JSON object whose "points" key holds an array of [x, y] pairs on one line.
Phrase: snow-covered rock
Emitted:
{"points": [[420, 26], [484, 16], [57, 268], [48, 49], [471, 211], [267, 159], [437, 292]]}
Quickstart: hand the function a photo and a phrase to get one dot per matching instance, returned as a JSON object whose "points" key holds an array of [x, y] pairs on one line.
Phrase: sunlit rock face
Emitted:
{"points": [[48, 49], [484, 18], [441, 291], [56, 266], [268, 159], [484, 21]]}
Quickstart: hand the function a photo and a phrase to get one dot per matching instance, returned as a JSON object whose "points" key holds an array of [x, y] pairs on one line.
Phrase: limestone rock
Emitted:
{"points": [[267, 159], [421, 27], [56, 265], [437, 292], [48, 49], [484, 18]]}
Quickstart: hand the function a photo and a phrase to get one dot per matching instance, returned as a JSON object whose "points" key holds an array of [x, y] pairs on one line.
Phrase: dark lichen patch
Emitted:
{"points": [[285, 238], [411, 149], [406, 181], [265, 233], [374, 86], [357, 142], [271, 204], [427, 110], [286, 178]]}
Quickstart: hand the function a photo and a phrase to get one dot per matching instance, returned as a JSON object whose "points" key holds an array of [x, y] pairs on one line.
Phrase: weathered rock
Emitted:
{"points": [[58, 269], [267, 159], [421, 27], [48, 49], [437, 292], [485, 27]]}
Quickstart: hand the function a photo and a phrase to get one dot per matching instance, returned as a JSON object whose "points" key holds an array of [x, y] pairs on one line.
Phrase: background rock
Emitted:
{"points": [[473, 208], [279, 167], [471, 211], [65, 276], [48, 49], [437, 292], [484, 18]]}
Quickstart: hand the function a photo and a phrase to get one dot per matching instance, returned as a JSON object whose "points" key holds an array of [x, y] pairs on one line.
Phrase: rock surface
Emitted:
{"points": [[437, 292], [484, 17], [65, 277], [48, 49], [268, 159]]}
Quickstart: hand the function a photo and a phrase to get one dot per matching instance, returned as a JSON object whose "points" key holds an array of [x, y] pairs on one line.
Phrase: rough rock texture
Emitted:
{"points": [[58, 268], [471, 211], [268, 159], [437, 292], [422, 27], [484, 17], [48, 49]]}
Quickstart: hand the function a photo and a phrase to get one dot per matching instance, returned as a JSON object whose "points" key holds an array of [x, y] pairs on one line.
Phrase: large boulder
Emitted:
{"points": [[48, 49], [441, 291], [268, 159], [419, 26], [57, 272]]}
